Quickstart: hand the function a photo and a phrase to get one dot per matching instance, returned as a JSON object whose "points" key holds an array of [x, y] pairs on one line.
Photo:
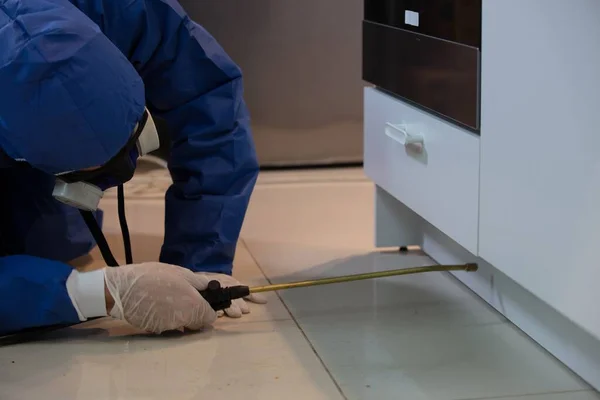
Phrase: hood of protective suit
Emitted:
{"points": [[69, 99]]}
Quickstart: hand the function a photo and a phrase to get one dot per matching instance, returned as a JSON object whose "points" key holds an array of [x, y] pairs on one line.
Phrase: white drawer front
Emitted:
{"points": [[426, 163]]}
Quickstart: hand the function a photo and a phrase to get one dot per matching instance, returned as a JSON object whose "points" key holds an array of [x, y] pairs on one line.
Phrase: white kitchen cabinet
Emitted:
{"points": [[540, 166], [523, 199]]}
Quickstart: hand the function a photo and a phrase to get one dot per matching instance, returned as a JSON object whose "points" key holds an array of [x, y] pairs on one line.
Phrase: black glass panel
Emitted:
{"points": [[439, 75], [455, 20]]}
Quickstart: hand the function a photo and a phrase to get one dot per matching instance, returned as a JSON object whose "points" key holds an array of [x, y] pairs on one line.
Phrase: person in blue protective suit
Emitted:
{"points": [[76, 79]]}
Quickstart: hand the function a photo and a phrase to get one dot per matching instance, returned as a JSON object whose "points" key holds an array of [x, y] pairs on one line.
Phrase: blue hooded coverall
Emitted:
{"points": [[75, 76]]}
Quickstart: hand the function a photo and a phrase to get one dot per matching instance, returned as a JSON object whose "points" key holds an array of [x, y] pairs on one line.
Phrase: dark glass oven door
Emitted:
{"points": [[432, 61]]}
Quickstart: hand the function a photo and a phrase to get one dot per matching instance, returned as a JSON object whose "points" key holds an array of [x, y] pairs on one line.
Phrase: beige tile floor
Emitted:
{"points": [[419, 337]]}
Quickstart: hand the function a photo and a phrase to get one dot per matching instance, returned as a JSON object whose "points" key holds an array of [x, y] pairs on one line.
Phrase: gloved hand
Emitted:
{"points": [[238, 306], [159, 297]]}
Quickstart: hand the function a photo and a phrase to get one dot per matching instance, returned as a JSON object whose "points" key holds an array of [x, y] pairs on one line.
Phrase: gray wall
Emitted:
{"points": [[302, 66]]}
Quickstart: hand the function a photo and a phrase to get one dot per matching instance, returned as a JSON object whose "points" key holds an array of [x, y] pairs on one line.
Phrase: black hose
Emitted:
{"points": [[124, 227], [92, 225]]}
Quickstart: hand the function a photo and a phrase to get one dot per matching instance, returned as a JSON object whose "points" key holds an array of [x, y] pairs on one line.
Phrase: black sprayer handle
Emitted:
{"points": [[220, 298]]}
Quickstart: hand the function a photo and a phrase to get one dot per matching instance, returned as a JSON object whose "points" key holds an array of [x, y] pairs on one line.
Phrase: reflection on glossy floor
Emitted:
{"points": [[418, 337]]}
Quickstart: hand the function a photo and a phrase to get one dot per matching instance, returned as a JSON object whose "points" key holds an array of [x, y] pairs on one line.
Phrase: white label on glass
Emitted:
{"points": [[411, 18]]}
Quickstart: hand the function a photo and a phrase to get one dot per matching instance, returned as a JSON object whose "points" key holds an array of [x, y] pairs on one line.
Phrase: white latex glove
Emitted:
{"points": [[159, 297], [238, 306]]}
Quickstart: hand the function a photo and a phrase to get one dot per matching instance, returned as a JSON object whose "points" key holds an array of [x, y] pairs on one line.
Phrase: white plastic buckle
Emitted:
{"points": [[81, 195]]}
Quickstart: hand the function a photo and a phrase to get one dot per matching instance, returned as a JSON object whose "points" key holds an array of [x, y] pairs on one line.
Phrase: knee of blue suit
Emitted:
{"points": [[34, 223]]}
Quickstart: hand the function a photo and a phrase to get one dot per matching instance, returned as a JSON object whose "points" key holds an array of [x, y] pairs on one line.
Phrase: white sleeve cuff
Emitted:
{"points": [[86, 290]]}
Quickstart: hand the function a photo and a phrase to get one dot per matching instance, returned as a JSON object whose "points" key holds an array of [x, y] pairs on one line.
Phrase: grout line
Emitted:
{"points": [[524, 396], [339, 389]]}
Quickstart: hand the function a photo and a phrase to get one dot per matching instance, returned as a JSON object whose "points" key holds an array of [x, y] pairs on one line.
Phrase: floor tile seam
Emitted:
{"points": [[321, 361]]}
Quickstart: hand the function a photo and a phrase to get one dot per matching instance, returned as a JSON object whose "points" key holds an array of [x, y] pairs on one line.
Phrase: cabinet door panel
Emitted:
{"points": [[540, 150]]}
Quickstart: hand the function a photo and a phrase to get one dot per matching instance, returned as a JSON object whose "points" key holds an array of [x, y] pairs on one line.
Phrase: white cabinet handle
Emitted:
{"points": [[400, 134]]}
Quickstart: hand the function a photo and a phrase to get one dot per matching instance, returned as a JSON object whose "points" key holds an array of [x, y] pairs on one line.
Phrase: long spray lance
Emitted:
{"points": [[220, 297]]}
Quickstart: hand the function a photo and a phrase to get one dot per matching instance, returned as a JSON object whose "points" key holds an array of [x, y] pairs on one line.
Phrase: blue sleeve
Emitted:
{"points": [[33, 293], [197, 90]]}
